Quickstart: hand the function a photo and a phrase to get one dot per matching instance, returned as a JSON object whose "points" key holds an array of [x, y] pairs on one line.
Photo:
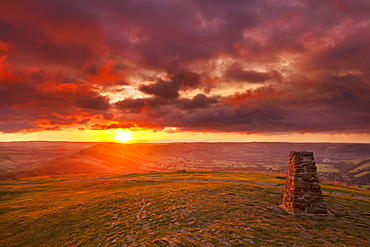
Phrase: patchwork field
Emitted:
{"points": [[327, 168], [173, 209], [341, 163]]}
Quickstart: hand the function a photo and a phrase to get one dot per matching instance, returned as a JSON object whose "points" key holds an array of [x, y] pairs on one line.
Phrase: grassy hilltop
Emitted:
{"points": [[173, 209]]}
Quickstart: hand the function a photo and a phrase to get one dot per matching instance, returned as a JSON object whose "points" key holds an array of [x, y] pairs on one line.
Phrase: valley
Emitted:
{"points": [[340, 163]]}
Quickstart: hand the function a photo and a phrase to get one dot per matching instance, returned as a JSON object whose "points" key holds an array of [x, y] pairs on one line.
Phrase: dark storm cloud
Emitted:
{"points": [[328, 104], [93, 101], [48, 34], [169, 89], [198, 101], [234, 72], [63, 62], [140, 105], [351, 53], [170, 34], [155, 105], [163, 89]]}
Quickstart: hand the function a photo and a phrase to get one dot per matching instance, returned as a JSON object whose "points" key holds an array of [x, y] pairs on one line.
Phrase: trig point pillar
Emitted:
{"points": [[302, 192]]}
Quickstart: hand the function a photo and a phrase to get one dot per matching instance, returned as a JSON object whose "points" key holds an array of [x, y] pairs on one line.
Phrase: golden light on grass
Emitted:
{"points": [[124, 136]]}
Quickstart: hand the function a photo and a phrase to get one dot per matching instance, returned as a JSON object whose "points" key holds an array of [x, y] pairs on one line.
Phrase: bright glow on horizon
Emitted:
{"points": [[124, 136], [150, 136]]}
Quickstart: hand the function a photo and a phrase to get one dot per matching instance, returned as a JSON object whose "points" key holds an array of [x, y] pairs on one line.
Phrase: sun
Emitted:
{"points": [[123, 136]]}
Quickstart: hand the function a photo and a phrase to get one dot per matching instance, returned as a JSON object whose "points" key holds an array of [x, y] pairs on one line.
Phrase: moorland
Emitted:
{"points": [[176, 194], [336, 162], [174, 209]]}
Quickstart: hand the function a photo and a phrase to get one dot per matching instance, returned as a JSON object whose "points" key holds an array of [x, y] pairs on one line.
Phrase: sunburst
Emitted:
{"points": [[124, 136]]}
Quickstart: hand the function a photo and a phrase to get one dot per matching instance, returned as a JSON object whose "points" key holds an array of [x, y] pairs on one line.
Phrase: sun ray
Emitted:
{"points": [[124, 136]]}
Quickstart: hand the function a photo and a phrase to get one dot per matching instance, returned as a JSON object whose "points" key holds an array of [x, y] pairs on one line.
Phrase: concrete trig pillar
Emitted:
{"points": [[302, 192]]}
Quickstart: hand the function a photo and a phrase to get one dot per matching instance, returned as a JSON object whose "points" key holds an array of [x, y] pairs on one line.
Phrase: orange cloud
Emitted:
{"points": [[108, 75], [253, 96]]}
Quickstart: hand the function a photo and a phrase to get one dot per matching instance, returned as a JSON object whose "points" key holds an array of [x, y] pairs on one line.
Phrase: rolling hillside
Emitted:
{"points": [[16, 156], [347, 163], [101, 158]]}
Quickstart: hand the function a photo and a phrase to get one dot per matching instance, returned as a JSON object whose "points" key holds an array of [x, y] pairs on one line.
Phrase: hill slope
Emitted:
{"points": [[16, 156], [172, 209], [336, 162], [101, 158]]}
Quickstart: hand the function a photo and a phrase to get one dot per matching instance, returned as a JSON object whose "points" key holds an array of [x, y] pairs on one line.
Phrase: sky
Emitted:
{"points": [[176, 70]]}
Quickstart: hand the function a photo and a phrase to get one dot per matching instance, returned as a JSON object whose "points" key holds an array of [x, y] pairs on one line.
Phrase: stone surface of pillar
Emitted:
{"points": [[302, 192]]}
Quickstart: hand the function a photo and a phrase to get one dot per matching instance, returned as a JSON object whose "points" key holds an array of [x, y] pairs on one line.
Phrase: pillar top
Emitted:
{"points": [[303, 153]]}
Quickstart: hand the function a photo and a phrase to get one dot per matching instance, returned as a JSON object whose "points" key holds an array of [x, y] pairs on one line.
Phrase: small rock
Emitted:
{"points": [[265, 183], [160, 242], [305, 235], [333, 239], [146, 226], [189, 239], [340, 193], [276, 209], [264, 244], [248, 240]]}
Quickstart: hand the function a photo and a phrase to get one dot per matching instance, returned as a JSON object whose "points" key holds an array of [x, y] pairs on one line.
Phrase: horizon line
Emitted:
{"points": [[169, 142]]}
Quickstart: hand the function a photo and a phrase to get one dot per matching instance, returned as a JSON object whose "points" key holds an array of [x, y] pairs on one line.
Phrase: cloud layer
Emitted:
{"points": [[235, 66]]}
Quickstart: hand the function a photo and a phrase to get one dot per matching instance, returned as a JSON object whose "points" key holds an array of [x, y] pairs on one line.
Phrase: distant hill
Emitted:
{"points": [[347, 163], [16, 156], [101, 158]]}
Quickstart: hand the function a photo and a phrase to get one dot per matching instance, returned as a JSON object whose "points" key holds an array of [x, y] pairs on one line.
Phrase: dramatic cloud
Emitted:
{"points": [[236, 66], [169, 89], [93, 101], [236, 73]]}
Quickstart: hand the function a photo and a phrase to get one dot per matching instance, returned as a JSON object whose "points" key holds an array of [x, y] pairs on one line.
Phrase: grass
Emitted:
{"points": [[353, 161], [153, 209], [326, 168], [361, 167], [362, 174]]}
